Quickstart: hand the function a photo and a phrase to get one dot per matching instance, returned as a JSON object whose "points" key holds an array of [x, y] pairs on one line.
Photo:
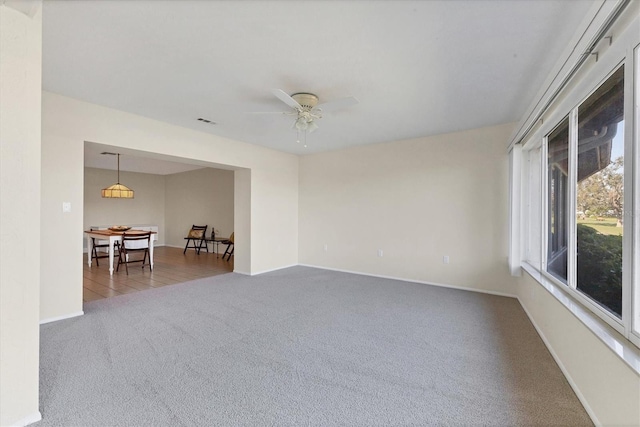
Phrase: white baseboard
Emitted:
{"points": [[402, 279], [33, 418], [242, 272], [274, 269], [66, 316], [566, 374]]}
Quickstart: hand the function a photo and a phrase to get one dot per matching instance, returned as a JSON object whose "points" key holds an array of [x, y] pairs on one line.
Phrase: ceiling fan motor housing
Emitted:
{"points": [[306, 100]]}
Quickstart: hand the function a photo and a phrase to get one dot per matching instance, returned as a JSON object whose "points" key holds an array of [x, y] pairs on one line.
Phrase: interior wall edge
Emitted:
{"points": [[20, 210]]}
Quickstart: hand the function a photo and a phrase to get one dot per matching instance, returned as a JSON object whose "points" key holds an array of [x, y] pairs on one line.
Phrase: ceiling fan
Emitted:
{"points": [[307, 110]]}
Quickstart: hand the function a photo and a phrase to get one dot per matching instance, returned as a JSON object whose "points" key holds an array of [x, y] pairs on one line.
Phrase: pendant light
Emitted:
{"points": [[117, 190]]}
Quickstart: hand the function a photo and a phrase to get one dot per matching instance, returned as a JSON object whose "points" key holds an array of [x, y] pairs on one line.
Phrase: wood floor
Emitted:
{"points": [[170, 267]]}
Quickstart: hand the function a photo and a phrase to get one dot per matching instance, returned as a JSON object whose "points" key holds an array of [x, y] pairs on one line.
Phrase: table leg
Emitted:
{"points": [[111, 245], [151, 253], [90, 250]]}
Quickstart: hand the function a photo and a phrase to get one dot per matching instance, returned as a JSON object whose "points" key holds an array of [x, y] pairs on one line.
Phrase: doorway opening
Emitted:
{"points": [[171, 195]]}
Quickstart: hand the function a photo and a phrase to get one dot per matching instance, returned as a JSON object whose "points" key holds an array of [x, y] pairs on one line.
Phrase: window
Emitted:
{"points": [[558, 214], [585, 248], [583, 204], [600, 195], [579, 187]]}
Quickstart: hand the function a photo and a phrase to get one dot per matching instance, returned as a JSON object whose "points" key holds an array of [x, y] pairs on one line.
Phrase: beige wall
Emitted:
{"points": [[172, 202], [607, 386], [417, 200], [269, 189], [20, 111], [147, 207], [201, 197]]}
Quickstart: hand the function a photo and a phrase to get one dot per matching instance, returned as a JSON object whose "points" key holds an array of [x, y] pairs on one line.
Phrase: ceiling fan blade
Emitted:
{"points": [[337, 104], [282, 96], [267, 112]]}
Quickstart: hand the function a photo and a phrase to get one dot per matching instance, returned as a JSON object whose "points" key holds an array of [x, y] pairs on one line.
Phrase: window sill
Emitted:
{"points": [[622, 347]]}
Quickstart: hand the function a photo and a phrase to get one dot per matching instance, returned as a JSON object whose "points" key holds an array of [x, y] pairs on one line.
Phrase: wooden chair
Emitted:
{"points": [[100, 244], [131, 244], [230, 246], [198, 233]]}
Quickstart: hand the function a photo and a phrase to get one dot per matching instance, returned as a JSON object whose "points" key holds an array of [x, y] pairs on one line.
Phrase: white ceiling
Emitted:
{"points": [[418, 67]]}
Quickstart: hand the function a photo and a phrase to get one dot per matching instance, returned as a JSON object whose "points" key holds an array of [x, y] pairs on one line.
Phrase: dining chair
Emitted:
{"points": [[198, 234], [131, 244], [230, 246], [100, 244]]}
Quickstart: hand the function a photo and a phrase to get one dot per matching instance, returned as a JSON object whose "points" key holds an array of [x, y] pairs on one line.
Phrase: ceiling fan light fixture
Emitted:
{"points": [[301, 124]]}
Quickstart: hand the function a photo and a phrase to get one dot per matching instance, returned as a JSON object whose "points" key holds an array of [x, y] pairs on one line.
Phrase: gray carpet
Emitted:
{"points": [[301, 346]]}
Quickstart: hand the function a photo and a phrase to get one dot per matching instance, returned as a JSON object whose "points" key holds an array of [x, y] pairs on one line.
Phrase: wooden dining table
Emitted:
{"points": [[116, 236]]}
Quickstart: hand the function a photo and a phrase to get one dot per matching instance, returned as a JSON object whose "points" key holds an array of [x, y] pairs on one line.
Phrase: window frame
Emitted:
{"points": [[547, 247], [632, 211]]}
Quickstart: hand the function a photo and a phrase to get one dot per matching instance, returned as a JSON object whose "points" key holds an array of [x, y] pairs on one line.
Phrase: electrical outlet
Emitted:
{"points": [[445, 259], [379, 252], [66, 207]]}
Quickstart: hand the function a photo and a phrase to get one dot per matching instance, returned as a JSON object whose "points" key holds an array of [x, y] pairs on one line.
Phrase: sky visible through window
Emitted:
{"points": [[617, 148]]}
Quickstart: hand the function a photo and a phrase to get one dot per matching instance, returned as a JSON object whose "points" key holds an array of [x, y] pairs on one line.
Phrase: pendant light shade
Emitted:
{"points": [[117, 190]]}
